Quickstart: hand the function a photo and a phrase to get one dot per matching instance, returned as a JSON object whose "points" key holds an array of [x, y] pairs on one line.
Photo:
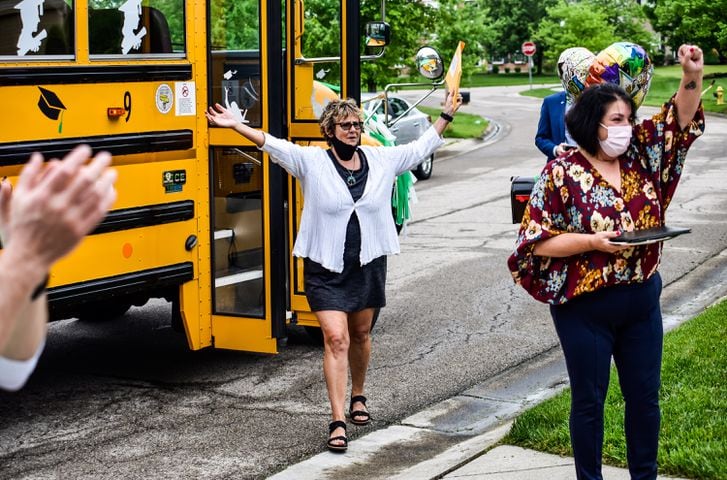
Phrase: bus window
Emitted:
{"points": [[238, 233], [36, 30], [235, 58], [126, 28]]}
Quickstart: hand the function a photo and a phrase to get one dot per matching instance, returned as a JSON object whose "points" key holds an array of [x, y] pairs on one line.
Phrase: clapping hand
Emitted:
{"points": [[51, 209]]}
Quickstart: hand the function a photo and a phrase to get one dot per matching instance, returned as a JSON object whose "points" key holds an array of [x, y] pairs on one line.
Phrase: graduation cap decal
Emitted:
{"points": [[51, 106]]}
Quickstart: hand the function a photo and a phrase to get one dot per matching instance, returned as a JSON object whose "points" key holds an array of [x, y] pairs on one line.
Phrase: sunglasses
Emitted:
{"points": [[348, 125]]}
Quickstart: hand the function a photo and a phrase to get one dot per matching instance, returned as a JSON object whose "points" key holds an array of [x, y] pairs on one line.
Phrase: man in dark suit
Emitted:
{"points": [[551, 136]]}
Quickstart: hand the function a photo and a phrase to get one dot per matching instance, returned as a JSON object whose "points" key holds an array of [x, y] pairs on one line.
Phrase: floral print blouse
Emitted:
{"points": [[571, 196]]}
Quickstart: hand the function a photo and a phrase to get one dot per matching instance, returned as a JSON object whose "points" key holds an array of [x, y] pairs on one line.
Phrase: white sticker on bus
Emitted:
{"points": [[184, 99], [164, 98], [30, 13], [132, 15]]}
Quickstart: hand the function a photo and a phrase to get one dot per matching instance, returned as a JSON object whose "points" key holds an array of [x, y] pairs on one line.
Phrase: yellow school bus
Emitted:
{"points": [[202, 218]]}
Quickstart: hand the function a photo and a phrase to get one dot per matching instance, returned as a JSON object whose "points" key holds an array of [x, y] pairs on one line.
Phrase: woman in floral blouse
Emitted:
{"points": [[604, 297]]}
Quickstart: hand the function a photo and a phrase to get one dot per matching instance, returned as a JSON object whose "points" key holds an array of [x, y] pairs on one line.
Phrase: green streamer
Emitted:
{"points": [[401, 199]]}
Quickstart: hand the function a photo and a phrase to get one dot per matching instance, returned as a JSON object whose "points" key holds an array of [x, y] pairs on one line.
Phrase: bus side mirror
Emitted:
{"points": [[378, 34], [429, 63]]}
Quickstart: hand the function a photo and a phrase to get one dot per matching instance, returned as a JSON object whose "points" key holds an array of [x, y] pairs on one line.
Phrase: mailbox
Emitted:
{"points": [[520, 188]]}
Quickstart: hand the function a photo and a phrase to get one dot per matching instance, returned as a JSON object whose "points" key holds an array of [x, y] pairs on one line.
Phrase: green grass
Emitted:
{"points": [[465, 126], [693, 396], [541, 92]]}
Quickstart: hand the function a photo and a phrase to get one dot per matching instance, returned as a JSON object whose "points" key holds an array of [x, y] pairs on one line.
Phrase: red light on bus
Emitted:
{"points": [[115, 112]]}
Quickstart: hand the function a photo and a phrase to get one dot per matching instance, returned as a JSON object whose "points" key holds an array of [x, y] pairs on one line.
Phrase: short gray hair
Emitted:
{"points": [[335, 111]]}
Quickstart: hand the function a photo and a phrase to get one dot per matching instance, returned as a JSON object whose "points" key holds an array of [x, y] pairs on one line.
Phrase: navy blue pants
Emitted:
{"points": [[623, 322]]}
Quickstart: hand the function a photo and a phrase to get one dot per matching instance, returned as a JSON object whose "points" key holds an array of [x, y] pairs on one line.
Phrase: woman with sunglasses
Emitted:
{"points": [[346, 232]]}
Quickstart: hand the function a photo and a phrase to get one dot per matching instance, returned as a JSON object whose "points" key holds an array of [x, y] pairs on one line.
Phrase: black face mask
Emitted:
{"points": [[343, 149]]}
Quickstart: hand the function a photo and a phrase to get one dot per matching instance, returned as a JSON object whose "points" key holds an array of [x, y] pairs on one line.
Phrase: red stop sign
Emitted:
{"points": [[528, 48]]}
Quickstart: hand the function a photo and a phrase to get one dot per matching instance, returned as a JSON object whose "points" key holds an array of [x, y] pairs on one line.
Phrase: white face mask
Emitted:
{"points": [[617, 141]]}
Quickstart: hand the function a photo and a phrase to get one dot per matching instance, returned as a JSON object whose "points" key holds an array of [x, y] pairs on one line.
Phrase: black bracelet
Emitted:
{"points": [[39, 289], [448, 118]]}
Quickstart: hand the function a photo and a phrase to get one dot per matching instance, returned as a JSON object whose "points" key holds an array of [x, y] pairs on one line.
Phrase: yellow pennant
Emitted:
{"points": [[454, 74]]}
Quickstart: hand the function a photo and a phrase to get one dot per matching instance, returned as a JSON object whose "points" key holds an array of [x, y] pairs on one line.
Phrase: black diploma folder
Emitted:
{"points": [[649, 235]]}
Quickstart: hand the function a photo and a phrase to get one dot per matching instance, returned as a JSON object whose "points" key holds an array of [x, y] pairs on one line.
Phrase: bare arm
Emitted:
{"points": [[23, 323], [568, 244], [687, 97], [50, 210], [451, 105], [222, 117]]}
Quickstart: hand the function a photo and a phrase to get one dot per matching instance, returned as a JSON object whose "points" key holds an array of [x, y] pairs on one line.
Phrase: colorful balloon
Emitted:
{"points": [[573, 65], [625, 64]]}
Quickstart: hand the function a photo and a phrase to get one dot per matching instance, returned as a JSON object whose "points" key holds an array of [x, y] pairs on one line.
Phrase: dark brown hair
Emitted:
{"points": [[583, 118]]}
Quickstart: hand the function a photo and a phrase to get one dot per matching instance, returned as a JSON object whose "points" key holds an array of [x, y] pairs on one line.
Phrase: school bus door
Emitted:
{"points": [[249, 253]]}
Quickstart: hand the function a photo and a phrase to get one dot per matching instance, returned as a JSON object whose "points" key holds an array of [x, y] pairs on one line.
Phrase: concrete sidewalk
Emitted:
{"points": [[514, 463]]}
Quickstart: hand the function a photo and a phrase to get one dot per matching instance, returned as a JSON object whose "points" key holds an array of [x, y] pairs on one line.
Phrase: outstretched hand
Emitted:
{"points": [[691, 58], [219, 116]]}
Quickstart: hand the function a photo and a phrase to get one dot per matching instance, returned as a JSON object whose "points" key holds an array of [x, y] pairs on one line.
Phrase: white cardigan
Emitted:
{"points": [[328, 203]]}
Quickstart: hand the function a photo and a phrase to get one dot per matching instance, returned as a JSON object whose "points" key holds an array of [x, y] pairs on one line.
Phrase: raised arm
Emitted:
{"points": [[451, 105], [687, 97], [221, 117]]}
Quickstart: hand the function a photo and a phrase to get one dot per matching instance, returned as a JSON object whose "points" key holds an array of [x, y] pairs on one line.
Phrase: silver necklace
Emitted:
{"points": [[351, 180]]}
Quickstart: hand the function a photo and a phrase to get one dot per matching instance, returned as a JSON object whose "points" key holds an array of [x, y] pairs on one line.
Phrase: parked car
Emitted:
{"points": [[407, 127]]}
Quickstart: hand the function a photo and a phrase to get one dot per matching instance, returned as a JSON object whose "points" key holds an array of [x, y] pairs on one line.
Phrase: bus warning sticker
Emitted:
{"points": [[164, 98], [174, 180], [184, 103]]}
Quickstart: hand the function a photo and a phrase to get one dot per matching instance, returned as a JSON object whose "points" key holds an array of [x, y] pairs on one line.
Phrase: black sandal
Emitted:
{"points": [[359, 413], [335, 447]]}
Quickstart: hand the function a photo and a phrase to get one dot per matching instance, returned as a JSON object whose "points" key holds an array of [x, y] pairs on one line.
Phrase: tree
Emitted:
{"points": [[405, 19], [410, 23], [593, 24], [702, 22], [413, 24], [580, 24], [456, 20], [629, 21], [231, 27], [513, 22]]}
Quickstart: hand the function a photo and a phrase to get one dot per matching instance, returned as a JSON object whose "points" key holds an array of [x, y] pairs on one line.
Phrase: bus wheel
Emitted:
{"points": [[315, 334], [98, 312]]}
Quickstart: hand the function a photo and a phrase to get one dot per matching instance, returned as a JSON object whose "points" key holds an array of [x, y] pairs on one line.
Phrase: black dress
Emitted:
{"points": [[356, 287]]}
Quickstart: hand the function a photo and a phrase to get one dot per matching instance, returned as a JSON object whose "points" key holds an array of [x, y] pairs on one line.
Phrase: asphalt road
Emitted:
{"points": [[126, 399]]}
